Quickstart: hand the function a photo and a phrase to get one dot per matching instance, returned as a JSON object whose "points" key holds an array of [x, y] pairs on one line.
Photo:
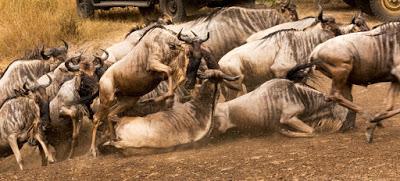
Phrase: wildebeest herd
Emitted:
{"points": [[160, 87]]}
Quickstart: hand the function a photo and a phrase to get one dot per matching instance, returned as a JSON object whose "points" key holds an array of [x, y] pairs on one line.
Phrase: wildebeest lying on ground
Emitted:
{"points": [[293, 109], [183, 124], [276, 53], [220, 23], [72, 102], [362, 58], [158, 56], [20, 122], [32, 67]]}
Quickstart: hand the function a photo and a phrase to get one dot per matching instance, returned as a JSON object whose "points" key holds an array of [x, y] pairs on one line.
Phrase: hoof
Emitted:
{"points": [[369, 135], [93, 153]]}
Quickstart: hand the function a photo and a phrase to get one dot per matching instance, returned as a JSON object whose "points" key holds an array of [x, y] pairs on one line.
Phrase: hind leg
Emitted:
{"points": [[123, 104], [12, 141], [43, 144], [231, 90], [389, 112], [107, 98], [289, 117], [340, 86], [43, 156]]}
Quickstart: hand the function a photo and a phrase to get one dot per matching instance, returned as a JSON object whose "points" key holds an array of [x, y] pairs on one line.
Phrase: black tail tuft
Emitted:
{"points": [[299, 73]]}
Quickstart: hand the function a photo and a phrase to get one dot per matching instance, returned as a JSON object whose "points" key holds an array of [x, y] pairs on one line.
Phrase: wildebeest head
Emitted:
{"points": [[360, 23], [327, 23], [90, 71], [195, 55], [55, 56], [87, 66], [36, 90], [289, 10], [62, 73]]}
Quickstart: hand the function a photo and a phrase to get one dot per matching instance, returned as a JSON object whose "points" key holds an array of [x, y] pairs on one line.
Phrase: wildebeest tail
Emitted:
{"points": [[299, 73]]}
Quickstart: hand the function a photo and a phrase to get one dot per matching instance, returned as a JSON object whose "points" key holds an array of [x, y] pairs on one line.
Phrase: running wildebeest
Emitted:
{"points": [[20, 122], [246, 22], [183, 124], [72, 102], [140, 72], [276, 53], [33, 68], [361, 58]]}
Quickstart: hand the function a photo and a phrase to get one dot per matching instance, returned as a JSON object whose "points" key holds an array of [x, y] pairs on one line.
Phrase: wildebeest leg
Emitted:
{"points": [[46, 151], [393, 92], [231, 90], [289, 118], [43, 155], [296, 123], [292, 134], [76, 124], [12, 141], [72, 113], [159, 67], [339, 85], [107, 99], [123, 104]]}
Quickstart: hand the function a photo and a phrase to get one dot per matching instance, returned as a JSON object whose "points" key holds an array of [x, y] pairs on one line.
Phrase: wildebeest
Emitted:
{"points": [[183, 124], [357, 24], [230, 27], [290, 108], [119, 50], [220, 23], [140, 72], [33, 69], [361, 58], [276, 53], [72, 102], [197, 52], [20, 122]]}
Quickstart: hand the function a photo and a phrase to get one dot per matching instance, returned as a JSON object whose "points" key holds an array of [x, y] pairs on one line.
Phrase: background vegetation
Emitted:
{"points": [[25, 24]]}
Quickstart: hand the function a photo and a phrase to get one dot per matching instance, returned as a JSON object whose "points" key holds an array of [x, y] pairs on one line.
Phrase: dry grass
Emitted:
{"points": [[25, 24]]}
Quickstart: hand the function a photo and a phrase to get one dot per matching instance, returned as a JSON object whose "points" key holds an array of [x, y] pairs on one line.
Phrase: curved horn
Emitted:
{"points": [[288, 3], [72, 68], [45, 57], [320, 13], [208, 37], [25, 87], [182, 38], [102, 59], [194, 33], [65, 44], [49, 83], [180, 35]]}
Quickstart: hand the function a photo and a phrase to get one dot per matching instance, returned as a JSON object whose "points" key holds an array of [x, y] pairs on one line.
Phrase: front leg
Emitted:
{"points": [[159, 67]]}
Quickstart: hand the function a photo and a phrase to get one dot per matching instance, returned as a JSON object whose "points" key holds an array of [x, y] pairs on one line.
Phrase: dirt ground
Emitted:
{"points": [[337, 156]]}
